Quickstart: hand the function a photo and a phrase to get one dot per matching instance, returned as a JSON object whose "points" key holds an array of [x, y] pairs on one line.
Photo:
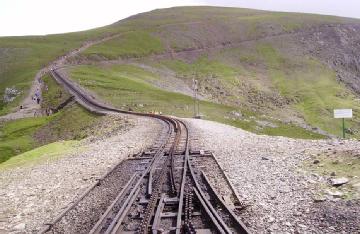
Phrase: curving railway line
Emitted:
{"points": [[162, 190]]}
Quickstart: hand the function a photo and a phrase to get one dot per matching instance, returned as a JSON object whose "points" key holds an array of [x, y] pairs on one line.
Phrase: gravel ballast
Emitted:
{"points": [[268, 173], [269, 176], [33, 195]]}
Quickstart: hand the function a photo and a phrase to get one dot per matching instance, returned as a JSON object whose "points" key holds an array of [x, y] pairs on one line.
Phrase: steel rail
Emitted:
{"points": [[115, 224], [133, 193], [183, 181], [172, 158], [99, 107], [240, 226], [150, 209], [219, 226], [174, 126], [94, 106], [78, 200], [214, 216], [200, 193], [104, 218], [157, 217]]}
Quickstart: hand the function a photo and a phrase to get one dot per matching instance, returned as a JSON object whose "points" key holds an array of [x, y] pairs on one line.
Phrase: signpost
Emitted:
{"points": [[342, 114], [196, 101]]}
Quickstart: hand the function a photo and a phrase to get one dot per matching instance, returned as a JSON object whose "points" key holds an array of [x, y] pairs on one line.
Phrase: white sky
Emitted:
{"points": [[39, 17]]}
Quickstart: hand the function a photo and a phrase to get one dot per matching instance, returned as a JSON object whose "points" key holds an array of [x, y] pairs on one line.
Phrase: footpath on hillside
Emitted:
{"points": [[29, 107]]}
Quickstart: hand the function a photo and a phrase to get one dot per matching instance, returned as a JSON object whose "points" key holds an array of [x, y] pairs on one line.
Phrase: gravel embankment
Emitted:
{"points": [[270, 177], [31, 196]]}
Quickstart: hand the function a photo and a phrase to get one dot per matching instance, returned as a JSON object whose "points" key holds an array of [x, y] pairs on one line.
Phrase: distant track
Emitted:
{"points": [[165, 192]]}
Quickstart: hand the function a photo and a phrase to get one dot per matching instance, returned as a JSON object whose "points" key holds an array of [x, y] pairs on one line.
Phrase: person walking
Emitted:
{"points": [[37, 96]]}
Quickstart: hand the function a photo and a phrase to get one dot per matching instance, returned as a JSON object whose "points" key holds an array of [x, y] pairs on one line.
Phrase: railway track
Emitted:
{"points": [[162, 190]]}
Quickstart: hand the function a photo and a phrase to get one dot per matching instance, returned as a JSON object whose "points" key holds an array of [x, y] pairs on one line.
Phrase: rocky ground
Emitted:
{"points": [[30, 107], [286, 185], [281, 181], [32, 195]]}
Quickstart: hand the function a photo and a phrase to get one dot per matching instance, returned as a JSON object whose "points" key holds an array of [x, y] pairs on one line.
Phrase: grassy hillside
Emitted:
{"points": [[71, 123], [41, 154], [129, 87], [22, 57], [254, 68], [130, 44], [248, 60]]}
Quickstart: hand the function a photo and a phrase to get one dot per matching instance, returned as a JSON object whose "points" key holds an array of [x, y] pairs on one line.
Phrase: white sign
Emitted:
{"points": [[342, 113]]}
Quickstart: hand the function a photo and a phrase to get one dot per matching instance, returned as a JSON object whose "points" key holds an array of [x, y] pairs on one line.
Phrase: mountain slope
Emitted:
{"points": [[267, 72]]}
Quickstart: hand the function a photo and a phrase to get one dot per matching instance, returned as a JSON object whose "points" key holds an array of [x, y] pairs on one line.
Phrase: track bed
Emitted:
{"points": [[167, 189]]}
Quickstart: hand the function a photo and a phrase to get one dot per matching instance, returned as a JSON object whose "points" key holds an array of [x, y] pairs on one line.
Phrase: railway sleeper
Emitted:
{"points": [[199, 152], [194, 156]]}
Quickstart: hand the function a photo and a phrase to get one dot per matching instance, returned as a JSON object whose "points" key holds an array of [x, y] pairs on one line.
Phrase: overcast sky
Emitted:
{"points": [[39, 17]]}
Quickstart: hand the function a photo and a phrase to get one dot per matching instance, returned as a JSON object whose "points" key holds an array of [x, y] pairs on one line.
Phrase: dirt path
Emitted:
{"points": [[30, 108]]}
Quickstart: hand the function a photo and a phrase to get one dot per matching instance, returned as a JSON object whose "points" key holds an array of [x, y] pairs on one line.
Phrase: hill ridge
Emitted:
{"points": [[255, 62]]}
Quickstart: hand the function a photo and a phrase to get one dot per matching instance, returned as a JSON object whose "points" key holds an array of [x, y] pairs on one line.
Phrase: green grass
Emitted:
{"points": [[53, 95], [131, 44], [206, 71], [191, 27], [127, 87], [289, 130], [202, 68], [40, 154], [275, 67], [310, 86], [16, 136], [343, 164], [144, 34], [318, 98], [71, 123], [19, 136], [313, 88], [22, 57]]}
